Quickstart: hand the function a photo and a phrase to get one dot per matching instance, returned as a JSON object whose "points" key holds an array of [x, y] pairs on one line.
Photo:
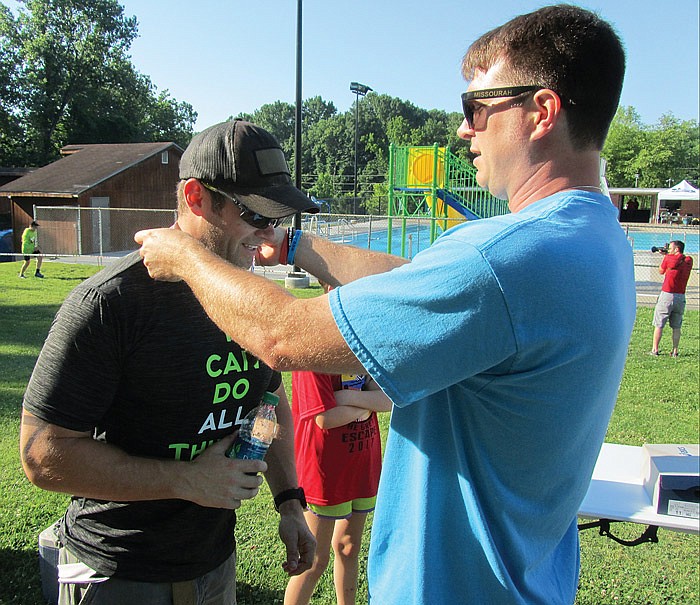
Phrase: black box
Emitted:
{"points": [[679, 496]]}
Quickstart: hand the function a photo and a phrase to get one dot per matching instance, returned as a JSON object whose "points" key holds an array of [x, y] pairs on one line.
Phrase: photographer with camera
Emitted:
{"points": [[670, 306]]}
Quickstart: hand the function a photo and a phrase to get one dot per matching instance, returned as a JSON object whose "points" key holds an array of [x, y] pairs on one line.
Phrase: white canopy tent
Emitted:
{"points": [[682, 193]]}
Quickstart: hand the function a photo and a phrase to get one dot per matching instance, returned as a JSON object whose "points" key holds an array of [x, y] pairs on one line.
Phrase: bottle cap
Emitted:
{"points": [[271, 398]]}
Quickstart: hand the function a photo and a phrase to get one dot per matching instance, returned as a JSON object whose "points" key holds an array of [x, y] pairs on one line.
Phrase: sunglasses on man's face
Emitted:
{"points": [[258, 221], [469, 108]]}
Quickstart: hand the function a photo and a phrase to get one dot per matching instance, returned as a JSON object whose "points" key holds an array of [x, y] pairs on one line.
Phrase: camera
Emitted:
{"points": [[663, 249]]}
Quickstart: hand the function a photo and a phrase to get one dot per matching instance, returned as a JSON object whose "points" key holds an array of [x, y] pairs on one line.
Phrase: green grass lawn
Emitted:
{"points": [[658, 403]]}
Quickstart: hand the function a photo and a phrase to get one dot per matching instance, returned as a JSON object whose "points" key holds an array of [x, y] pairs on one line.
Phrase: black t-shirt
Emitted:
{"points": [[139, 363]]}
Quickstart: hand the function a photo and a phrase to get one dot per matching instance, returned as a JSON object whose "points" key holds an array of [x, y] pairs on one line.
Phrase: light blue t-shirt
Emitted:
{"points": [[502, 347]]}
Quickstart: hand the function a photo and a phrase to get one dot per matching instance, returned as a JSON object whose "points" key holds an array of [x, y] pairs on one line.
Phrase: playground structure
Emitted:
{"points": [[431, 181]]}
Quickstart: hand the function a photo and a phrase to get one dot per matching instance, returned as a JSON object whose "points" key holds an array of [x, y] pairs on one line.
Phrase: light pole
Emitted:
{"points": [[297, 278], [360, 90]]}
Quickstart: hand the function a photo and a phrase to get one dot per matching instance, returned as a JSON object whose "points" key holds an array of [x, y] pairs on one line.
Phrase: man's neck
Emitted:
{"points": [[578, 170]]}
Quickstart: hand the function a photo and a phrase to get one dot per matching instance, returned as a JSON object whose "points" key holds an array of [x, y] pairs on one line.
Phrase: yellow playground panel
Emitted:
{"points": [[421, 166], [426, 169]]}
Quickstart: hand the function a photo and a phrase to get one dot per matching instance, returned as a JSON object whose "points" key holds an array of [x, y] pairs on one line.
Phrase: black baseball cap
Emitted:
{"points": [[246, 161]]}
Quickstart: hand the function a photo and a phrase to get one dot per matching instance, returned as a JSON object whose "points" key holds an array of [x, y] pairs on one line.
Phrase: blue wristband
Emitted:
{"points": [[293, 246]]}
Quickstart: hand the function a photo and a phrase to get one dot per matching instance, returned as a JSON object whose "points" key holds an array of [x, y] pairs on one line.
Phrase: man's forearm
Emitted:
{"points": [[339, 264], [285, 332], [60, 460]]}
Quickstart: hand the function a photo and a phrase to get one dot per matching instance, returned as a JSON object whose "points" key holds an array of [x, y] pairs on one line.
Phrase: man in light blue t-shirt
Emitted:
{"points": [[502, 346]]}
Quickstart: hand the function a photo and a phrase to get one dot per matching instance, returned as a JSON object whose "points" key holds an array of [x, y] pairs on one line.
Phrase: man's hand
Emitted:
{"points": [[166, 252], [268, 254], [297, 538], [216, 481]]}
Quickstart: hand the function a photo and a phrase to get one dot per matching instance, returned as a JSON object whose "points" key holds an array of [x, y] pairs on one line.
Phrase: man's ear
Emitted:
{"points": [[548, 112], [194, 196]]}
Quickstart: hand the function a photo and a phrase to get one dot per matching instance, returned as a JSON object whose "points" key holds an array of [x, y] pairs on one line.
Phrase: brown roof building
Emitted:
{"points": [[114, 176]]}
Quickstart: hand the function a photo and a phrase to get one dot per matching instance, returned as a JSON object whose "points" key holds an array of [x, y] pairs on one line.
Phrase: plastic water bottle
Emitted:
{"points": [[257, 431]]}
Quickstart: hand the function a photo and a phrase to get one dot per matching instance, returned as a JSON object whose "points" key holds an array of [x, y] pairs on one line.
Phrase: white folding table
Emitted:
{"points": [[617, 493]]}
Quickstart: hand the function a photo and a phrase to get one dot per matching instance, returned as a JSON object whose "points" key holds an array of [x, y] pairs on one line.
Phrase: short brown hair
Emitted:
{"points": [[564, 48], [679, 244]]}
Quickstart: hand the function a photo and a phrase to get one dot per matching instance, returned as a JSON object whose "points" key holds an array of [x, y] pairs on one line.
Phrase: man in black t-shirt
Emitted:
{"points": [[136, 396]]}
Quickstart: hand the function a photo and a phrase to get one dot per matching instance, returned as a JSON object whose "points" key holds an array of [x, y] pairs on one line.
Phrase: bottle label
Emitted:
{"points": [[244, 450]]}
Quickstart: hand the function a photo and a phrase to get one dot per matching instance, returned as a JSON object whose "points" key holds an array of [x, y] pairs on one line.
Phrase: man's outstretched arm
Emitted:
{"points": [[285, 332], [338, 264]]}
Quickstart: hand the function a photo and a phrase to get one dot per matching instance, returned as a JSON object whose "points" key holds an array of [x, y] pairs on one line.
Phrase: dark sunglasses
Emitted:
{"points": [[491, 93], [258, 221]]}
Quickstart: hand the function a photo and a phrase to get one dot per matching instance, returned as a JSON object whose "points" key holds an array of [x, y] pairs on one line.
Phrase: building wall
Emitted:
{"points": [[22, 210], [150, 184]]}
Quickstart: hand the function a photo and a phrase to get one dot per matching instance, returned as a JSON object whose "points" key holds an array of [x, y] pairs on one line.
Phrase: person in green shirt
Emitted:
{"points": [[30, 246]]}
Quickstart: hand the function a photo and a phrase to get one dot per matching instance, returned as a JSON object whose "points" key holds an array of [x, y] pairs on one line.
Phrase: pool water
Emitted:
{"points": [[644, 240], [419, 239]]}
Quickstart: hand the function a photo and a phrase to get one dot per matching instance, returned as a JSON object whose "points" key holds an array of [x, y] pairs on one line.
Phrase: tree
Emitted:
{"points": [[671, 153], [315, 109], [65, 46], [78, 84], [328, 148], [650, 156], [11, 132], [626, 138], [279, 119], [399, 131], [166, 119]]}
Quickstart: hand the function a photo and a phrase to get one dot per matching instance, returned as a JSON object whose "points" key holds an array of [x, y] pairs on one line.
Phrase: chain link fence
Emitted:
{"points": [[96, 234], [643, 238], [79, 231]]}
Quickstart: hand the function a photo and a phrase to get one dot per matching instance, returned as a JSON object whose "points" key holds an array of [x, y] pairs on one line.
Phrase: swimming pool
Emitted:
{"points": [[418, 238], [644, 240]]}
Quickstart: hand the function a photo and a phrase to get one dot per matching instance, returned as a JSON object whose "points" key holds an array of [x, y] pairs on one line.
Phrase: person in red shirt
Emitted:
{"points": [[338, 456], [670, 306]]}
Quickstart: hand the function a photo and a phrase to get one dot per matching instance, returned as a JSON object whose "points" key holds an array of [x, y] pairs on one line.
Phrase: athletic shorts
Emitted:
{"points": [[35, 252], [87, 586], [344, 510], [669, 308]]}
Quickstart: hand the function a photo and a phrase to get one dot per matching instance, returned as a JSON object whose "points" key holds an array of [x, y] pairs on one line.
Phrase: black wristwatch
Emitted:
{"points": [[296, 493]]}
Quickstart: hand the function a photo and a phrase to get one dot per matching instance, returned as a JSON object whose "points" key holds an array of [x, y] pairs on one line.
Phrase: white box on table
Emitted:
{"points": [[672, 478]]}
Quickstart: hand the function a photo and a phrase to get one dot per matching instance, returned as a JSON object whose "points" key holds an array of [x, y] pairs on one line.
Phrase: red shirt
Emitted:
{"points": [[676, 269], [335, 465]]}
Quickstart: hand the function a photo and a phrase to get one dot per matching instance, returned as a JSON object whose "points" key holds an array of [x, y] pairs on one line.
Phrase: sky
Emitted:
{"points": [[227, 57]]}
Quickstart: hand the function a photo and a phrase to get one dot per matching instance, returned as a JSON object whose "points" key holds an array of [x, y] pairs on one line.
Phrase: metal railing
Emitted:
{"points": [[96, 234]]}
